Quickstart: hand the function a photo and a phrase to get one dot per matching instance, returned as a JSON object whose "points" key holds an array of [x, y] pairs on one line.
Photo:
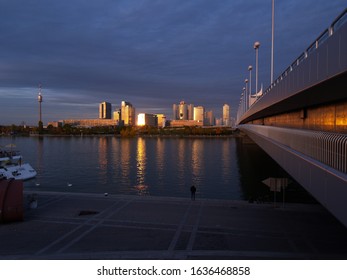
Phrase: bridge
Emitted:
{"points": [[300, 120]]}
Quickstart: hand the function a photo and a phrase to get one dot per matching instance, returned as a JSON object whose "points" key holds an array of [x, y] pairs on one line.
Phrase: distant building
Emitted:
{"points": [[127, 113], [181, 123], [209, 118], [147, 119], [116, 116], [199, 114], [161, 120], [105, 110], [226, 115], [190, 112], [90, 122], [55, 124], [183, 111]]}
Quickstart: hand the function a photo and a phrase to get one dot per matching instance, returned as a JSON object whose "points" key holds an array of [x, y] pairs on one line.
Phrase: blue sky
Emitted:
{"points": [[152, 53]]}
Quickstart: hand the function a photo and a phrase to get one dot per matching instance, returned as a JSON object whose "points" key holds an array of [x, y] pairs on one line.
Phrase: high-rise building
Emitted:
{"points": [[127, 113], [226, 115], [161, 120], [147, 119], [199, 113], [175, 112], [183, 111], [191, 112], [209, 118], [105, 110]]}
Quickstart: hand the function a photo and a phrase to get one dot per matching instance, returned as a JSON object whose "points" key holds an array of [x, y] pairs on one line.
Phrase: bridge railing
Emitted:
{"points": [[337, 23], [308, 69], [327, 148]]}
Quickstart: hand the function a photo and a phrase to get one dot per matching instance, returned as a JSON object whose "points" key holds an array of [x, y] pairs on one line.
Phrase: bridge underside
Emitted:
{"points": [[327, 184]]}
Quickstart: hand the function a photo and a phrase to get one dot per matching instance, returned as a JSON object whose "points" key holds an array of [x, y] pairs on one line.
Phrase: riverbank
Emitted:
{"points": [[95, 226]]}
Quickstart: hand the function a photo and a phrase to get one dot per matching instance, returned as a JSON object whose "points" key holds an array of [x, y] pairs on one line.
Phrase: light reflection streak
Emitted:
{"points": [[197, 161], [141, 161]]}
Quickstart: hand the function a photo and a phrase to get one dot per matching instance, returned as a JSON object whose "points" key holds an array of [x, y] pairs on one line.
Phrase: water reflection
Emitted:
{"points": [[102, 159], [141, 161], [160, 158], [226, 168], [197, 161], [125, 145]]}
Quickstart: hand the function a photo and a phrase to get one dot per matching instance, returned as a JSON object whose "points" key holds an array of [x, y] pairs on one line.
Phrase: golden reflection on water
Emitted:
{"points": [[141, 161], [197, 160]]}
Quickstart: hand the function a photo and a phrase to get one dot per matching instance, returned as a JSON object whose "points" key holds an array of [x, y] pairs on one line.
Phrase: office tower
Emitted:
{"points": [[199, 113], [191, 112], [226, 115], [161, 120], [209, 118], [175, 112], [127, 113], [105, 110], [182, 111]]}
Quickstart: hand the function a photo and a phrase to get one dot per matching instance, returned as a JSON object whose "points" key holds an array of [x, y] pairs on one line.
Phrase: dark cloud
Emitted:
{"points": [[152, 53]]}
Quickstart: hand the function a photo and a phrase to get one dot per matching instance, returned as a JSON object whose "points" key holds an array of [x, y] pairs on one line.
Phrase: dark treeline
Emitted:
{"points": [[125, 131]]}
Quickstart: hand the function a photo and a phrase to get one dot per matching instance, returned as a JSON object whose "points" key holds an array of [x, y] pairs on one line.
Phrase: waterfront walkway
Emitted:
{"points": [[92, 226]]}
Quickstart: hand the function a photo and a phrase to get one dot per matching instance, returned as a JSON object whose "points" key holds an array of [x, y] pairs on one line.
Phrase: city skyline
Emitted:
{"points": [[152, 53]]}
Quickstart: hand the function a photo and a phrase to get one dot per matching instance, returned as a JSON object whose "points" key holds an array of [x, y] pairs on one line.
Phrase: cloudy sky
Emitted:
{"points": [[152, 53]]}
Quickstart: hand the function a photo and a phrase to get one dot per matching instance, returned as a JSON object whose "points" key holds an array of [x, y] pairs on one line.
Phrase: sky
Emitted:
{"points": [[151, 53]]}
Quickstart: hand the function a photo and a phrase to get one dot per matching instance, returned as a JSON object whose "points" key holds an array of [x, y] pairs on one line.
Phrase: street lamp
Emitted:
{"points": [[250, 79], [246, 94], [256, 47], [272, 40]]}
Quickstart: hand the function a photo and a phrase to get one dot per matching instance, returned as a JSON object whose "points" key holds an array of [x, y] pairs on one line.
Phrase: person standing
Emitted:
{"points": [[192, 192]]}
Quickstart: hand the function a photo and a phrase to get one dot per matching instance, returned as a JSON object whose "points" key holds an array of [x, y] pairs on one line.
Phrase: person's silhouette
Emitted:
{"points": [[192, 192]]}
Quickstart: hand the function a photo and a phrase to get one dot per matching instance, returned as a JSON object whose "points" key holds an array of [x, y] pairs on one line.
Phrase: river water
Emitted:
{"points": [[220, 168]]}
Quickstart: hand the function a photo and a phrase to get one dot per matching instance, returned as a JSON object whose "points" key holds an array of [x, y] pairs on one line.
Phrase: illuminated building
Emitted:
{"points": [[147, 119], [199, 114], [127, 113], [183, 111], [226, 115], [105, 110]]}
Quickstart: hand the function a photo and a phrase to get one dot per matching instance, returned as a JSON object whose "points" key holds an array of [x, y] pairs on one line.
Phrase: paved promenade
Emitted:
{"points": [[92, 226]]}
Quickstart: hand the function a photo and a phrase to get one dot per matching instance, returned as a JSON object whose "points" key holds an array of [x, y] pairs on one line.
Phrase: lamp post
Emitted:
{"points": [[256, 47], [246, 93], [272, 40], [250, 79]]}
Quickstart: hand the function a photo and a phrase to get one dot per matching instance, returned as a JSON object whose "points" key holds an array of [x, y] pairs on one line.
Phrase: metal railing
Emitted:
{"points": [[327, 148], [337, 24]]}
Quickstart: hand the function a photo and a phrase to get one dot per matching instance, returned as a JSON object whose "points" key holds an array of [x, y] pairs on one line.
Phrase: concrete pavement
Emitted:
{"points": [[93, 226]]}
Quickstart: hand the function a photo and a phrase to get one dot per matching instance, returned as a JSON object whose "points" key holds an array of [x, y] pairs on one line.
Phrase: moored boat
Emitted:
{"points": [[12, 167]]}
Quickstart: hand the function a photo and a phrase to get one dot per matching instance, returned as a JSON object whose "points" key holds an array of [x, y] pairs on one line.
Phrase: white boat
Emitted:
{"points": [[12, 167]]}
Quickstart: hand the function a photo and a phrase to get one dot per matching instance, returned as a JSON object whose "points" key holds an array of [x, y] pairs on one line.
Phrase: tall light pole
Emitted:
{"points": [[250, 79], [272, 40], [39, 98], [246, 94], [256, 47]]}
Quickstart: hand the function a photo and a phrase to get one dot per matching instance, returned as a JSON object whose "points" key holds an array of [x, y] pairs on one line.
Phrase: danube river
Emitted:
{"points": [[220, 168]]}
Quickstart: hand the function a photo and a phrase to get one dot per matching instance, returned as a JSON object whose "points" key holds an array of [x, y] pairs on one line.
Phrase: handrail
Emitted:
{"points": [[339, 21], [325, 147]]}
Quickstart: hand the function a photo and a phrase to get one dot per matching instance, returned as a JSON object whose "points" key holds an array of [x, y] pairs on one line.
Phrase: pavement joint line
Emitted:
{"points": [[100, 221], [71, 232], [195, 228], [179, 229]]}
